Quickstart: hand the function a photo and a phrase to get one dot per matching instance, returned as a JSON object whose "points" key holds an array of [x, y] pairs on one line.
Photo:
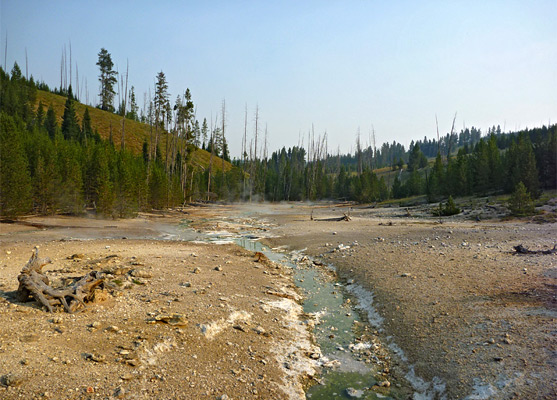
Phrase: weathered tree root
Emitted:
{"points": [[32, 282], [520, 249]]}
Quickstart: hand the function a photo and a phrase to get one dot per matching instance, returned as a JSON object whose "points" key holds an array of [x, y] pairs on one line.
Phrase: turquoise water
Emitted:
{"points": [[338, 327]]}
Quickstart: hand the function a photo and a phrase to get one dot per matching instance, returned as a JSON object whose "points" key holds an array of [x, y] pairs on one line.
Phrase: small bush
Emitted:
{"points": [[521, 203], [448, 209]]}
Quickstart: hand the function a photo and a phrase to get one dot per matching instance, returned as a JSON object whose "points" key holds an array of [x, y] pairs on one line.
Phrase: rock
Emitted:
{"points": [[170, 319], [385, 384], [185, 284], [197, 270], [219, 268], [405, 274], [224, 397], [11, 380], [113, 329], [119, 392], [259, 330], [140, 273], [98, 358], [354, 393], [76, 256]]}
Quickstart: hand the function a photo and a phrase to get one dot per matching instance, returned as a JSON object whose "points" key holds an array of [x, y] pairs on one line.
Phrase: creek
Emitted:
{"points": [[354, 363]]}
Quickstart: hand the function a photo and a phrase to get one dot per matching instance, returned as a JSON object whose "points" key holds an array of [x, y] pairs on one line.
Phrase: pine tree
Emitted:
{"points": [[15, 179], [520, 203], [86, 129], [132, 114], [70, 127], [51, 123], [107, 78], [40, 114], [521, 166]]}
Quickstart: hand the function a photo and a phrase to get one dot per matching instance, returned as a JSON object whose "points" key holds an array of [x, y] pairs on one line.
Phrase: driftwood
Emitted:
{"points": [[343, 218], [32, 282], [520, 249]]}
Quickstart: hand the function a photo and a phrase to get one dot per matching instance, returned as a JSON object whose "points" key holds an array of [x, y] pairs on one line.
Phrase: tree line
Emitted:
{"points": [[47, 168]]}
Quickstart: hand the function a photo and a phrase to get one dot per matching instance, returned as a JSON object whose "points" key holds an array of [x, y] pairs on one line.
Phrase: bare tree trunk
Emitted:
{"points": [[265, 163], [70, 62], [244, 151], [6, 52], [123, 143], [211, 160], [223, 142]]}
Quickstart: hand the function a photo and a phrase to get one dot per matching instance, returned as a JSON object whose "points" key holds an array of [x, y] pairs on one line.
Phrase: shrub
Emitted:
{"points": [[448, 209], [521, 203]]}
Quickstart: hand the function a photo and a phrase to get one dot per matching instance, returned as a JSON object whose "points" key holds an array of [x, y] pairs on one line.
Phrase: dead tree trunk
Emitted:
{"points": [[32, 282]]}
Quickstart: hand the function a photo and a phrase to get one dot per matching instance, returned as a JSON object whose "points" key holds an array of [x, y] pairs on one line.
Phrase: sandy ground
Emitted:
{"points": [[186, 320], [453, 296], [456, 305]]}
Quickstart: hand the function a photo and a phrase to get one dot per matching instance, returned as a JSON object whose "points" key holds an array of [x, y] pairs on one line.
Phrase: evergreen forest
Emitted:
{"points": [[57, 162]]}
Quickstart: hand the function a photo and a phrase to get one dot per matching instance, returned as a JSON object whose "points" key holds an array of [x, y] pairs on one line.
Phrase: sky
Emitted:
{"points": [[334, 67]]}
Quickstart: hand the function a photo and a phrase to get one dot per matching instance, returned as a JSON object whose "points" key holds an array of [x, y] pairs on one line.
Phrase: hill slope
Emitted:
{"points": [[135, 134]]}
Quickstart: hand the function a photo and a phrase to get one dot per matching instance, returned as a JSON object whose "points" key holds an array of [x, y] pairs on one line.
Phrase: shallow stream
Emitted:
{"points": [[353, 360]]}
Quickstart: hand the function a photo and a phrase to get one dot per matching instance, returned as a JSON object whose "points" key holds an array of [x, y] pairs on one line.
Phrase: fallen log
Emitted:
{"points": [[336, 219], [520, 249], [32, 282]]}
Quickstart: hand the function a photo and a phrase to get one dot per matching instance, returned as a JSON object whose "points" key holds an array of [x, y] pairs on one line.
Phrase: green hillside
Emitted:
{"points": [[136, 132]]}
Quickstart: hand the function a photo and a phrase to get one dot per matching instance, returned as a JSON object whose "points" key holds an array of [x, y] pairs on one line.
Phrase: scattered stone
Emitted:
{"points": [[94, 325], [405, 274], [11, 380], [170, 319], [77, 256], [197, 270], [119, 392], [354, 393], [140, 273], [98, 358], [185, 284], [219, 268], [127, 377], [113, 329], [385, 384], [259, 330]]}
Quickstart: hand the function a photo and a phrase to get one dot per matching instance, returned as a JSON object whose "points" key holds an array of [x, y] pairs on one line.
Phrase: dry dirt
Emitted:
{"points": [[186, 320], [454, 299], [454, 296]]}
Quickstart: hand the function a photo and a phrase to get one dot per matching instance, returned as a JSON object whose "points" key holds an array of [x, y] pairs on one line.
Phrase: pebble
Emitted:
{"points": [[197, 270], [11, 380], [354, 393]]}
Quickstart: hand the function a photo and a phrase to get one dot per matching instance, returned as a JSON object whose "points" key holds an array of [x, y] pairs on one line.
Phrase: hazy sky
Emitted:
{"points": [[339, 65]]}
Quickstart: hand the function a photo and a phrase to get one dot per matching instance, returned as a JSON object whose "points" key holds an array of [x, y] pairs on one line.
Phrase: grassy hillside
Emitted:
{"points": [[136, 132]]}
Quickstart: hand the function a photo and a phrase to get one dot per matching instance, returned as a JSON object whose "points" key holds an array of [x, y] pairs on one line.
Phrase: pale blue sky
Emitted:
{"points": [[340, 65]]}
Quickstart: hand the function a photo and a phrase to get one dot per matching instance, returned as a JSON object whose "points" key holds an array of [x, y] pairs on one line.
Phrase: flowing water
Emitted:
{"points": [[351, 367]]}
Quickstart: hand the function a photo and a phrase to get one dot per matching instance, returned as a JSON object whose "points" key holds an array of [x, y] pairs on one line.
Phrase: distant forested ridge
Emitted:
{"points": [[56, 162]]}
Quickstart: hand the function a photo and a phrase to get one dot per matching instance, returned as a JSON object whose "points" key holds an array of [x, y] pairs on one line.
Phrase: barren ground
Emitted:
{"points": [[454, 297]]}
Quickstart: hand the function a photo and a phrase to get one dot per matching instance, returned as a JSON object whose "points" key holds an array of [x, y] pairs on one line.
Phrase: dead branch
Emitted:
{"points": [[520, 249]]}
